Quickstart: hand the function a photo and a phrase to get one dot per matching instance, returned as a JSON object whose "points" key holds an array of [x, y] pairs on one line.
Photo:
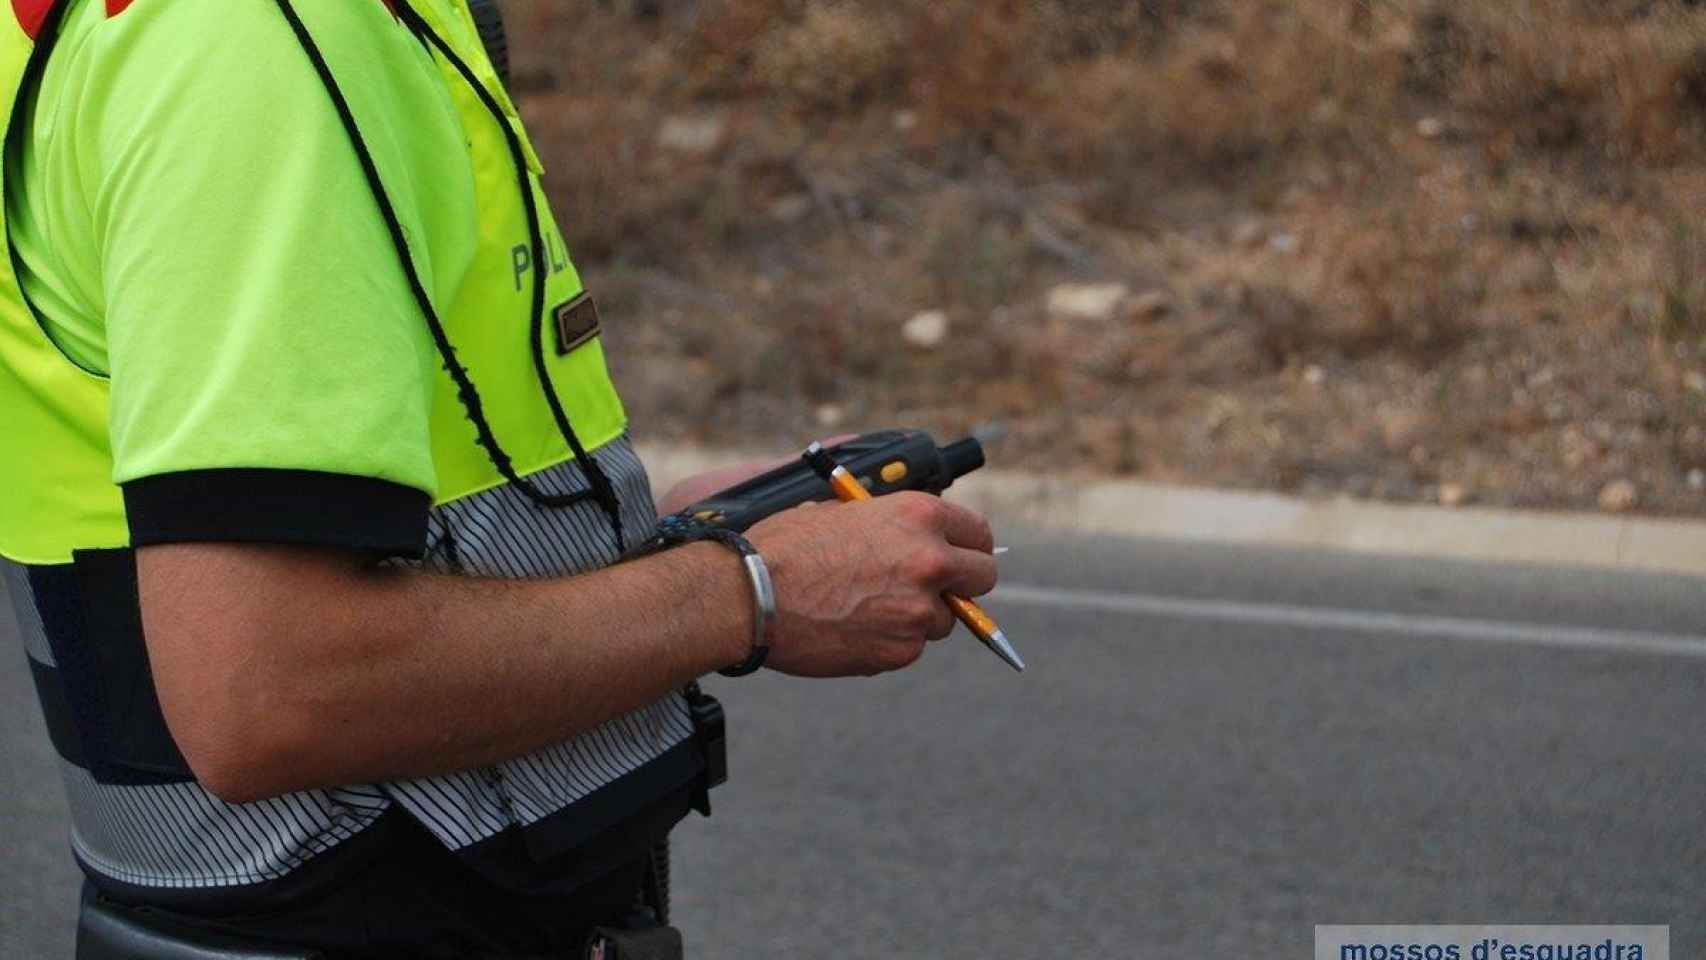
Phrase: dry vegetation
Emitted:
{"points": [[1412, 249]]}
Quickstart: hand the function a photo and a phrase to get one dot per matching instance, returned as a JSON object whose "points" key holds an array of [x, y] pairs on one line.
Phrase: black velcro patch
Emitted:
{"points": [[577, 322]]}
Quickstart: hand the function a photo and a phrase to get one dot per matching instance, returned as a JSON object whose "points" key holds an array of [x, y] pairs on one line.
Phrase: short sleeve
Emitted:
{"points": [[271, 369]]}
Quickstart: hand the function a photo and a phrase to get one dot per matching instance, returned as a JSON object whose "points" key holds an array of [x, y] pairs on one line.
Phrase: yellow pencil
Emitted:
{"points": [[979, 623]]}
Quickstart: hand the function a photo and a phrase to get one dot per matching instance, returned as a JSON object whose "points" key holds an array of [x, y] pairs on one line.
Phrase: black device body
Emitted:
{"points": [[887, 461]]}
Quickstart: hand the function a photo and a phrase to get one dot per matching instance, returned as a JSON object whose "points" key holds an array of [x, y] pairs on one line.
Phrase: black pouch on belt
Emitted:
{"points": [[102, 710], [108, 932], [640, 937]]}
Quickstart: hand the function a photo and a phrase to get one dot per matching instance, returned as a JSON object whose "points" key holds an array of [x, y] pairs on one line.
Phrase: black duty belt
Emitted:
{"points": [[106, 931], [405, 896]]}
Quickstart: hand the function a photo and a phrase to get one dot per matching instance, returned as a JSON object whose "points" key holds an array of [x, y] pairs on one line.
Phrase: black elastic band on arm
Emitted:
{"points": [[278, 506]]}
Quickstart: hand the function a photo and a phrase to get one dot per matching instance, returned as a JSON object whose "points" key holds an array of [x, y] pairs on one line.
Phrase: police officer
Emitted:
{"points": [[315, 484]]}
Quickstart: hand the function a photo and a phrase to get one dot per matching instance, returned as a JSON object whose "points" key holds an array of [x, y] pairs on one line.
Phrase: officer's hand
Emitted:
{"points": [[859, 585]]}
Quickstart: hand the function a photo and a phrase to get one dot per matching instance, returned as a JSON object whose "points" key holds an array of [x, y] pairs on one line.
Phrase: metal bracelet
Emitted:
{"points": [[680, 528], [763, 614]]}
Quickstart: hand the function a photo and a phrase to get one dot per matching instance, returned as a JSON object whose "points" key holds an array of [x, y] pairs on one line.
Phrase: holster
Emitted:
{"points": [[641, 937], [109, 932]]}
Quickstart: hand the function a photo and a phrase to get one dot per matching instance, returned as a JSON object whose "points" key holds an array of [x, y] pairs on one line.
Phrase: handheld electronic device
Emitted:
{"points": [[884, 462]]}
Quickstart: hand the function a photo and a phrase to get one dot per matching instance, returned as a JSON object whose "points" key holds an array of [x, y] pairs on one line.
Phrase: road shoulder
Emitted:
{"points": [[1136, 509]]}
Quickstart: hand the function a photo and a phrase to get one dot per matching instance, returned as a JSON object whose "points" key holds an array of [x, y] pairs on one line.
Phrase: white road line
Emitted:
{"points": [[1288, 615]]}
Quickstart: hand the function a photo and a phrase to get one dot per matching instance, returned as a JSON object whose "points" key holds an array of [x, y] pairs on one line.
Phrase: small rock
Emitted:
{"points": [[692, 134], [1618, 496], [1250, 234], [1151, 305], [905, 120], [879, 238], [1222, 410], [926, 330], [830, 415], [1284, 243], [1531, 273], [1695, 380], [1401, 430], [1430, 128], [1314, 375], [1453, 494], [1697, 479], [1577, 449], [791, 208], [1087, 301], [1219, 61]]}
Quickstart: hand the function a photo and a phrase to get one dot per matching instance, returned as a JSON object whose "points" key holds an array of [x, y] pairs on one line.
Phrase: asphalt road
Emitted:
{"points": [[1214, 750]]}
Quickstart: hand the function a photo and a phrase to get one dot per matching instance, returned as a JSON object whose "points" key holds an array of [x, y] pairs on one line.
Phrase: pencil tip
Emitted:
{"points": [[1004, 650]]}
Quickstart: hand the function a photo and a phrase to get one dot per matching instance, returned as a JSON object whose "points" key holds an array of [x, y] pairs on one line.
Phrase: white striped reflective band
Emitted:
{"points": [[179, 835], [501, 533]]}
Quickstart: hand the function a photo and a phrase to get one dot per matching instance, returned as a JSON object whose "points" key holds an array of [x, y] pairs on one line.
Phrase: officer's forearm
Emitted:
{"points": [[283, 668]]}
